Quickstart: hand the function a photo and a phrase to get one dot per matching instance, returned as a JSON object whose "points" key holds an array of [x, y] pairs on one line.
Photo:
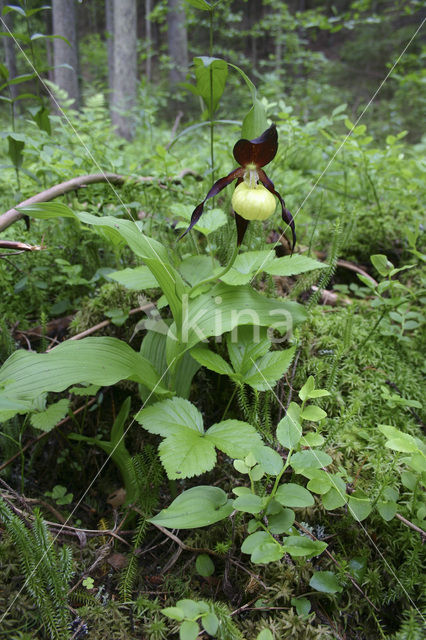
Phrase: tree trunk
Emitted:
{"points": [[10, 53], [177, 41], [63, 16], [109, 24], [148, 38], [123, 96]]}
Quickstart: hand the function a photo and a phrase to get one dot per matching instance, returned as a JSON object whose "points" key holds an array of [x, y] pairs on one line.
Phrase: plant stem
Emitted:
{"points": [[219, 275], [211, 97], [382, 315], [232, 396]]}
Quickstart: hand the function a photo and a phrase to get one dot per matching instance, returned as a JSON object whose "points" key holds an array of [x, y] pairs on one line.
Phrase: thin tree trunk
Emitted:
{"points": [[148, 37], [109, 23], [63, 15], [177, 41], [123, 97], [10, 53]]}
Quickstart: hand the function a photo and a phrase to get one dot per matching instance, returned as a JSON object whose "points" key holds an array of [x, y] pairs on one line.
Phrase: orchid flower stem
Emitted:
{"points": [[219, 275], [211, 97]]}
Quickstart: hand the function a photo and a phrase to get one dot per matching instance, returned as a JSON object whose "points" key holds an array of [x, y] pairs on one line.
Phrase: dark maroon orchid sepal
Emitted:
{"points": [[251, 155]]}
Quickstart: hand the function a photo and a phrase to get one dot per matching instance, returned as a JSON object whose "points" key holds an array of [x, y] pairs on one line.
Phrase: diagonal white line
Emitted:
{"points": [[330, 162], [84, 495], [81, 141], [350, 509]]}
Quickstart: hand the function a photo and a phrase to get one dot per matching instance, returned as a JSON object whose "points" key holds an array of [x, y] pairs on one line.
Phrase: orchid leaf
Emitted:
{"points": [[269, 369], [292, 265], [210, 360], [101, 361], [246, 344], [210, 74], [137, 279], [224, 308], [245, 265]]}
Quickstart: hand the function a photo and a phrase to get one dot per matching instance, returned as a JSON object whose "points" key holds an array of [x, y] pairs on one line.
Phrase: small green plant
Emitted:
{"points": [[392, 298], [47, 571], [59, 495], [189, 614], [272, 509]]}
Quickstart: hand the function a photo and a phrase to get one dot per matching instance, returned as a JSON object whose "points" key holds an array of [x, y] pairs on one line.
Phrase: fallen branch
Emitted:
{"points": [[19, 246], [411, 525], [11, 216], [105, 323]]}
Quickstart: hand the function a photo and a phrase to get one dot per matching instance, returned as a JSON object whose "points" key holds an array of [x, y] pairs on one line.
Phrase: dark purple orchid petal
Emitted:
{"points": [[242, 225], [285, 213], [259, 151], [216, 188]]}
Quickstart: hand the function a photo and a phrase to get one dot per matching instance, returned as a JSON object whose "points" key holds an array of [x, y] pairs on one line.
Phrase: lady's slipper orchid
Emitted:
{"points": [[253, 198]]}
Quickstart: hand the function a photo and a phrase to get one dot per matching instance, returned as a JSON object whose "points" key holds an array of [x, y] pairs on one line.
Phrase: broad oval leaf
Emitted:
{"points": [[303, 546], [137, 279], [293, 495], [270, 460], [197, 507], [204, 565], [310, 458], [281, 522], [326, 582], [248, 503], [189, 630], [359, 505], [254, 540], [101, 361], [210, 623], [267, 552], [313, 413], [289, 430]]}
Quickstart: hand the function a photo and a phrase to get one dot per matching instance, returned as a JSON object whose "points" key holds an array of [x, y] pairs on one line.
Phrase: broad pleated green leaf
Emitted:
{"points": [[210, 360], [246, 265], [226, 307], [269, 369], [102, 361]]}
